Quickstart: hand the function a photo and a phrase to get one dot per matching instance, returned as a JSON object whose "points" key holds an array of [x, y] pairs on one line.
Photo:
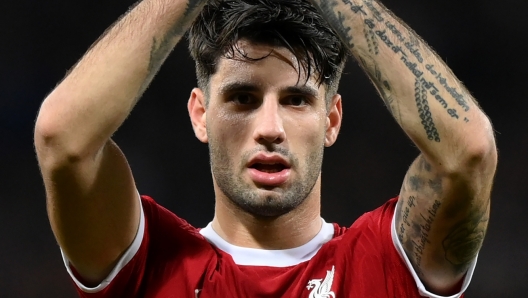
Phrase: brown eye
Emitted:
{"points": [[243, 99], [297, 100]]}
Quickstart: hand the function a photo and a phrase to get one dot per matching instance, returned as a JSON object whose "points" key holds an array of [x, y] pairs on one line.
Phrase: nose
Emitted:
{"points": [[269, 127]]}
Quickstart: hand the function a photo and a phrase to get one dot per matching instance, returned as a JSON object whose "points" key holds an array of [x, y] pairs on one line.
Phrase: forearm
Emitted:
{"points": [[88, 106], [425, 98]]}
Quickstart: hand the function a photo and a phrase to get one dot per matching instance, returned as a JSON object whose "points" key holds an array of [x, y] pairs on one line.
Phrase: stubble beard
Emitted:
{"points": [[278, 200]]}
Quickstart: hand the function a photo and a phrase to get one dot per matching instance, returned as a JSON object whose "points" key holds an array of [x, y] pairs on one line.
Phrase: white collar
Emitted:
{"points": [[271, 258]]}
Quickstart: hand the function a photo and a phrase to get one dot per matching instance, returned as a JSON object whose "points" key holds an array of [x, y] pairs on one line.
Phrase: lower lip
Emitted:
{"points": [[269, 179]]}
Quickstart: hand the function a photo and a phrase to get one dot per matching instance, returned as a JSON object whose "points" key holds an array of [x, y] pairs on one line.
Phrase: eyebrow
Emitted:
{"points": [[304, 90], [248, 87], [238, 87]]}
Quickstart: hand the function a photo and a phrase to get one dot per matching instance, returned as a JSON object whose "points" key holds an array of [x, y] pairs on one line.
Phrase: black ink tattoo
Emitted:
{"points": [[463, 243], [420, 234], [395, 31], [425, 114], [404, 212], [436, 95], [451, 90], [416, 183], [399, 224], [383, 36], [372, 42], [435, 185], [337, 20], [377, 14], [411, 47], [411, 66], [424, 164], [355, 8]]}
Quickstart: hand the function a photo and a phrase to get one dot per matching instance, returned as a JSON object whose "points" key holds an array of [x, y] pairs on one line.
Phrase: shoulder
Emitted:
{"points": [[164, 226], [369, 235], [377, 222], [175, 252]]}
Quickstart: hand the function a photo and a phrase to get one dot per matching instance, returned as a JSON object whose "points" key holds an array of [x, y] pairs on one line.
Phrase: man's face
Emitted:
{"points": [[266, 128]]}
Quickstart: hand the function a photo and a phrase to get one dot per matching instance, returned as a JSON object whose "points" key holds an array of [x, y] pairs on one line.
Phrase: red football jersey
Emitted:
{"points": [[171, 259]]}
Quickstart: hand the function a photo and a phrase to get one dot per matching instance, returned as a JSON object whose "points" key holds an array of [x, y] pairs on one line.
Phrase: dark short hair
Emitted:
{"points": [[293, 24]]}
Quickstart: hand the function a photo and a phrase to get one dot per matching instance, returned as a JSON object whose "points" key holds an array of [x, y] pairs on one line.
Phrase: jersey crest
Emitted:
{"points": [[322, 288]]}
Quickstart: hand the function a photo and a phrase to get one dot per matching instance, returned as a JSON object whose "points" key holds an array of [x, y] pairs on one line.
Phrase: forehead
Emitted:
{"points": [[264, 66]]}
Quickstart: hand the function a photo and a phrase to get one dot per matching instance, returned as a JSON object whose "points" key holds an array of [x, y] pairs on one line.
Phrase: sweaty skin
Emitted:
{"points": [[263, 107]]}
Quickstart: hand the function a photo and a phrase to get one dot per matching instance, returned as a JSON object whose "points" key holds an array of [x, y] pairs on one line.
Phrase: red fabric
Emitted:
{"points": [[175, 260]]}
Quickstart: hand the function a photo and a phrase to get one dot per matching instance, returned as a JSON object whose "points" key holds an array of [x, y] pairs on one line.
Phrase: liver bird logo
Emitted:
{"points": [[322, 288]]}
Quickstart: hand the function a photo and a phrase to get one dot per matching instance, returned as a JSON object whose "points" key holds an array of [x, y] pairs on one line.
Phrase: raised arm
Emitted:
{"points": [[92, 201], [443, 209]]}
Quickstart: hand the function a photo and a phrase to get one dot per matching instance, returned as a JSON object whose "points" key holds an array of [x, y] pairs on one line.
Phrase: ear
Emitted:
{"points": [[197, 113], [333, 120]]}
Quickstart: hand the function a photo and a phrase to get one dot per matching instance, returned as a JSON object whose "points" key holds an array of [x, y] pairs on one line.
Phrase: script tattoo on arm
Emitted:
{"points": [[422, 208], [420, 203], [382, 25]]}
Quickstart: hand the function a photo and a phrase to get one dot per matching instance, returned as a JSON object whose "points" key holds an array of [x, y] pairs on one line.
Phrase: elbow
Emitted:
{"points": [[53, 140], [477, 153]]}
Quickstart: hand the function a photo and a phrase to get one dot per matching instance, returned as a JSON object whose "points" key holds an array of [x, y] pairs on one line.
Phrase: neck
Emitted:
{"points": [[290, 230]]}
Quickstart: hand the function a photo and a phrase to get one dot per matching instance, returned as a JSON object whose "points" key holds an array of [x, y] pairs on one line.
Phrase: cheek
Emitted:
{"points": [[310, 128], [226, 126]]}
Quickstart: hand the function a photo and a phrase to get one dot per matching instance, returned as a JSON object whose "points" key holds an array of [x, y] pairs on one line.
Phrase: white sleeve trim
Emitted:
{"points": [[421, 288], [127, 256]]}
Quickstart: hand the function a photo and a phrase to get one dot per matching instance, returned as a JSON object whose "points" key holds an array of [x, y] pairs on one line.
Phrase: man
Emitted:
{"points": [[267, 105]]}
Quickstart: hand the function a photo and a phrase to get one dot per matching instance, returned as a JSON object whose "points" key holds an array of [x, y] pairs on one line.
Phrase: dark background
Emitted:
{"points": [[484, 42]]}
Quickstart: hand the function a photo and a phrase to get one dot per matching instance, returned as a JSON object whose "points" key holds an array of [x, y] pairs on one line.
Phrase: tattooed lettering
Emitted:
{"points": [[383, 36], [424, 228], [405, 216], [425, 114], [395, 31], [337, 20], [374, 10], [411, 45], [436, 95], [345, 31], [434, 91], [411, 200], [412, 67], [355, 8], [451, 90], [414, 51], [370, 23]]}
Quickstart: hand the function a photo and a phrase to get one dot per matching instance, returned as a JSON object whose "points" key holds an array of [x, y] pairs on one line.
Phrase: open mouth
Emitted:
{"points": [[268, 168]]}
